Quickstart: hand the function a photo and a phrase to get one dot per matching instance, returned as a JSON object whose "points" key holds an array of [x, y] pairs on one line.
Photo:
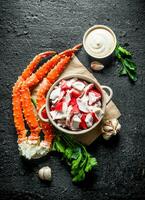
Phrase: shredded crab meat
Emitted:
{"points": [[75, 104], [71, 81], [89, 120], [75, 122], [79, 85], [93, 98], [55, 94], [83, 105]]}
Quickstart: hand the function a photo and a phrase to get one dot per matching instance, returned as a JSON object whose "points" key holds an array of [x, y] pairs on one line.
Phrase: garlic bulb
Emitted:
{"points": [[110, 127], [96, 66], [45, 173]]}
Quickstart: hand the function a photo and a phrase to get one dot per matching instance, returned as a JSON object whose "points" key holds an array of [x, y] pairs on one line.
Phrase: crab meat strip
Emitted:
{"points": [[67, 97], [92, 98], [89, 120], [83, 124], [79, 85], [75, 93], [70, 82], [88, 88], [75, 122], [68, 115], [83, 104], [64, 107], [53, 114], [55, 94], [66, 84]]}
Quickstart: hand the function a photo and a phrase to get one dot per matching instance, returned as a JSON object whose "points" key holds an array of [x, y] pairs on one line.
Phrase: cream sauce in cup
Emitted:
{"points": [[99, 41]]}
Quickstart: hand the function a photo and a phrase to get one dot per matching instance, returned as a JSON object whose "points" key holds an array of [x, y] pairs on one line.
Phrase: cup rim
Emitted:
{"points": [[100, 26], [88, 79]]}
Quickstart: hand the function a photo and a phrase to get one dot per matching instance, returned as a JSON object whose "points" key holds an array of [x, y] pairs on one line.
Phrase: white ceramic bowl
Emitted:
{"points": [[104, 100], [99, 41]]}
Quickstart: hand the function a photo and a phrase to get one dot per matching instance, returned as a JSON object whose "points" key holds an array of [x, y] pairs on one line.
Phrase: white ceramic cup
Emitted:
{"points": [[105, 100]]}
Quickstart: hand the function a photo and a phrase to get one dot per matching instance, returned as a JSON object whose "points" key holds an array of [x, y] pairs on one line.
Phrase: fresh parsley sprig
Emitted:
{"points": [[128, 66], [76, 156]]}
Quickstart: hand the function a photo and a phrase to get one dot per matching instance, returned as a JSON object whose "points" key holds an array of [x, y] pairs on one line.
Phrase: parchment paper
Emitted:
{"points": [[76, 67]]}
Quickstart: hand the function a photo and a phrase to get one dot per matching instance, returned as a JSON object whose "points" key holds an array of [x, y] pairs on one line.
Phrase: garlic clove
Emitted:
{"points": [[106, 136], [40, 173], [114, 123], [96, 66], [45, 173], [118, 127], [107, 129], [110, 127]]}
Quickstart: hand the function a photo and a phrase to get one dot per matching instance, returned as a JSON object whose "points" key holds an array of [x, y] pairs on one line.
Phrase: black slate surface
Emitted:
{"points": [[30, 27]]}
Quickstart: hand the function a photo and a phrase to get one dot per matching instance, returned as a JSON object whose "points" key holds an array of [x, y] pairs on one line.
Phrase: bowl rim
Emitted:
{"points": [[85, 78], [95, 27]]}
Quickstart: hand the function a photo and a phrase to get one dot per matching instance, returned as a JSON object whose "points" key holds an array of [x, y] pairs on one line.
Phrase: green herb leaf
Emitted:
{"points": [[80, 176], [34, 101], [75, 155], [123, 51], [59, 147], [89, 166], [128, 66], [123, 71]]}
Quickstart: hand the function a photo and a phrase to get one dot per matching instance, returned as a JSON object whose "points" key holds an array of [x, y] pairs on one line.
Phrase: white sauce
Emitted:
{"points": [[100, 42]]}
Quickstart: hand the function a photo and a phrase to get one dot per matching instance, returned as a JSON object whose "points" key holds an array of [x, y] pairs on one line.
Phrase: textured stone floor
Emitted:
{"points": [[32, 26]]}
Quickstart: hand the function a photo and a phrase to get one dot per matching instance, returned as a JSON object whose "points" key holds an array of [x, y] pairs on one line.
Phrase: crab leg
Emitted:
{"points": [[44, 69], [33, 148], [17, 111], [45, 86], [27, 105], [28, 111], [32, 81], [17, 107], [54, 74]]}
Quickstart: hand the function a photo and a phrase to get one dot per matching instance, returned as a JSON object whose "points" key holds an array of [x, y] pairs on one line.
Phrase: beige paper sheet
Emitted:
{"points": [[76, 67]]}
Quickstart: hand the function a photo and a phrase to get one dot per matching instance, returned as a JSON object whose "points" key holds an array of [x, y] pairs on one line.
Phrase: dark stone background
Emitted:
{"points": [[30, 27]]}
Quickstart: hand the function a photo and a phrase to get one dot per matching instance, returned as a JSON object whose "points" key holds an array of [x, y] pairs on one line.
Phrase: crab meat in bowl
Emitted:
{"points": [[75, 104]]}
